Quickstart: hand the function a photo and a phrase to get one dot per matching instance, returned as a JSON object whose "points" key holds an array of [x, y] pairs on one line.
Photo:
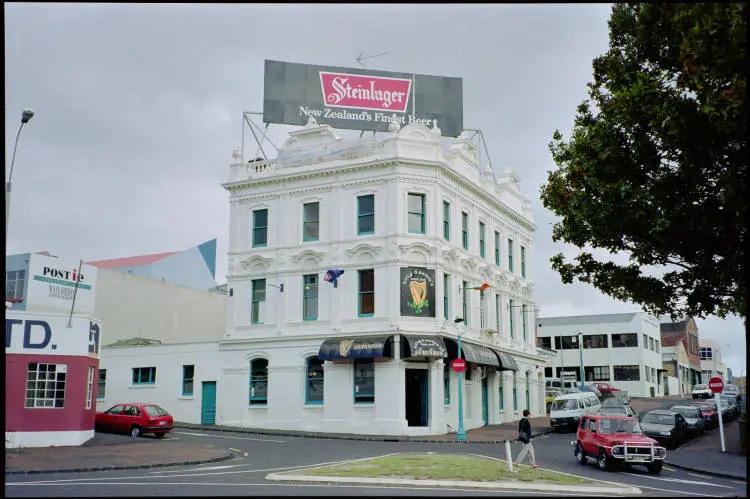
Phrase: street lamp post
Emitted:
{"points": [[26, 116], [460, 433]]}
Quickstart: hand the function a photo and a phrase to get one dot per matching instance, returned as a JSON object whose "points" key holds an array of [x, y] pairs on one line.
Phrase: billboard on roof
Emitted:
{"points": [[360, 99]]}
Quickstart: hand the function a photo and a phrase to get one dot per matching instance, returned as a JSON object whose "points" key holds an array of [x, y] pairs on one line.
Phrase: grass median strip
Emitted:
{"points": [[443, 467]]}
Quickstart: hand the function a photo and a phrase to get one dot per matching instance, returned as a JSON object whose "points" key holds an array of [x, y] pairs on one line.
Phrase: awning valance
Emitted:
{"points": [[354, 348], [507, 362], [479, 354], [425, 346]]}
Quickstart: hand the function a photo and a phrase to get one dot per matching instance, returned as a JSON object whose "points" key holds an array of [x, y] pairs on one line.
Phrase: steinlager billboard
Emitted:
{"points": [[360, 99]]}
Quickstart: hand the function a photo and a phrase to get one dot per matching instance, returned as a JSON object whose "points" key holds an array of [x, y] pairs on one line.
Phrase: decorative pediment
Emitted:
{"points": [[417, 251], [416, 131], [468, 263], [363, 250], [451, 256], [257, 263], [309, 256]]}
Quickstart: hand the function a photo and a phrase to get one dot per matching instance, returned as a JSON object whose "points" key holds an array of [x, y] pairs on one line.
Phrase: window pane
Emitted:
{"points": [[260, 236], [415, 203], [366, 224], [366, 205], [367, 280], [260, 218], [415, 223], [310, 231], [315, 390], [311, 212], [367, 303]]}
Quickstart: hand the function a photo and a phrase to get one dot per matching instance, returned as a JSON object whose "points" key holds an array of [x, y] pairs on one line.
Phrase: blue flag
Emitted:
{"points": [[332, 276]]}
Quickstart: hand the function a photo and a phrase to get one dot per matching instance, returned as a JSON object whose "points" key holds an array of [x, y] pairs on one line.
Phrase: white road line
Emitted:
{"points": [[675, 491], [701, 476], [668, 469], [678, 480], [234, 438]]}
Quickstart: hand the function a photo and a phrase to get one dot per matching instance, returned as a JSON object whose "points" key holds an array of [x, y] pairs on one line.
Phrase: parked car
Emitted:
{"points": [[592, 389], [696, 423], [701, 392], [733, 410], [709, 412], [619, 410], [667, 427], [733, 390], [616, 439], [567, 409], [609, 390], [136, 419]]}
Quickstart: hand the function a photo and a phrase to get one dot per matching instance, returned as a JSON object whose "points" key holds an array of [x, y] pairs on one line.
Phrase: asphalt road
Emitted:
{"points": [[245, 474]]}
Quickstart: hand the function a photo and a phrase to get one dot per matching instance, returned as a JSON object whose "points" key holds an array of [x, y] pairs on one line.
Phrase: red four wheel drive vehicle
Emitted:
{"points": [[616, 439], [606, 387], [135, 419]]}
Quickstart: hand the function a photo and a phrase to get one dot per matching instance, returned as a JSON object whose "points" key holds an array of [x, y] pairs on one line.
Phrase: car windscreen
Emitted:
{"points": [[565, 405], [609, 426], [613, 402], [614, 411], [686, 412], [155, 410], [666, 419]]}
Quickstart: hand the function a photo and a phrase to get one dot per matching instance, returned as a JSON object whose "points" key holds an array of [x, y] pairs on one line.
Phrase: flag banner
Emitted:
{"points": [[332, 276]]}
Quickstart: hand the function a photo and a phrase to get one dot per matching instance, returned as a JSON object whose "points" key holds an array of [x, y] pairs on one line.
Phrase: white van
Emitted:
{"points": [[566, 410], [566, 386]]}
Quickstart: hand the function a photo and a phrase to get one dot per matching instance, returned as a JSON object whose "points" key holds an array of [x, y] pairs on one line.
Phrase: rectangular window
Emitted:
{"points": [[366, 215], [501, 379], [510, 255], [260, 228], [416, 213], [515, 391], [366, 293], [314, 391], [594, 341], [497, 312], [523, 321], [258, 299], [523, 262], [648, 372], [596, 373], [446, 383], [465, 303], [566, 343], [482, 311], [364, 381], [310, 221], [645, 342], [447, 220], [188, 374], [465, 230], [706, 353], [446, 290], [14, 283], [497, 248], [258, 382], [624, 340], [510, 316], [658, 349], [45, 385], [310, 297], [90, 387], [544, 342], [627, 373], [144, 375], [651, 344], [481, 239], [101, 387]]}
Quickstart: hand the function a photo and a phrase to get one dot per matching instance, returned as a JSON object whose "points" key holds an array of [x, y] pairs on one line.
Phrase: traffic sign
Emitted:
{"points": [[716, 384], [459, 365]]}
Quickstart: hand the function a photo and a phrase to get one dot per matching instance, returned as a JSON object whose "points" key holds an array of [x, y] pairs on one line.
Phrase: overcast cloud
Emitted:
{"points": [[138, 108]]}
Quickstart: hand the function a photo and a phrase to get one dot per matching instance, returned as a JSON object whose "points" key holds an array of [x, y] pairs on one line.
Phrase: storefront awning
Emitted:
{"points": [[425, 346], [507, 362], [479, 355], [354, 348]]}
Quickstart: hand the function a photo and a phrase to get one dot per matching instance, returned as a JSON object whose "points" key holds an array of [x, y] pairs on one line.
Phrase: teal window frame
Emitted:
{"points": [[260, 227], [446, 296], [101, 384], [510, 316], [311, 220], [497, 248], [359, 376], [481, 239], [497, 311], [523, 262], [465, 230], [523, 321], [502, 391], [510, 255], [446, 383], [420, 214], [528, 393], [465, 303], [515, 391], [258, 378], [310, 297], [365, 215], [258, 296], [144, 376], [446, 220], [315, 376], [188, 379], [364, 292]]}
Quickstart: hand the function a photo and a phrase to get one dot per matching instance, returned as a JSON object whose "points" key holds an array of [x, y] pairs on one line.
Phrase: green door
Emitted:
{"points": [[208, 403], [485, 404]]}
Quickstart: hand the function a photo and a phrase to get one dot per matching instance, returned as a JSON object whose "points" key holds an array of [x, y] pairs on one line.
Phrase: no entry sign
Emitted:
{"points": [[459, 365], [715, 384]]}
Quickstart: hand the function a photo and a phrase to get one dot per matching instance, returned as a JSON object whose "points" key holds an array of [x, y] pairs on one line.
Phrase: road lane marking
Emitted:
{"points": [[235, 450], [737, 481], [679, 480], [701, 476], [226, 436], [668, 469]]}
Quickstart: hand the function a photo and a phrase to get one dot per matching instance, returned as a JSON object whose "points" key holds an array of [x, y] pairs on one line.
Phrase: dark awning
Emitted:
{"points": [[354, 348], [507, 362], [479, 354], [425, 346]]}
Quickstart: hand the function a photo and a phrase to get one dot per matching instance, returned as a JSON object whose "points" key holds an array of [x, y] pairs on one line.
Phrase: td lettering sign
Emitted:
{"points": [[31, 333]]}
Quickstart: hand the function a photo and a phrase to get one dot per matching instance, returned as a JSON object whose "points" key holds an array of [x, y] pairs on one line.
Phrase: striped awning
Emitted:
{"points": [[479, 354], [507, 362]]}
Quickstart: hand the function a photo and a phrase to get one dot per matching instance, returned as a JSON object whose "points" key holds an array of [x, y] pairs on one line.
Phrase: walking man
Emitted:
{"points": [[524, 435]]}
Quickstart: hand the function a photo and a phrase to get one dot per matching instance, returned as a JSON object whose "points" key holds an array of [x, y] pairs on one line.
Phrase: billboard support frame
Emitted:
{"points": [[253, 126]]}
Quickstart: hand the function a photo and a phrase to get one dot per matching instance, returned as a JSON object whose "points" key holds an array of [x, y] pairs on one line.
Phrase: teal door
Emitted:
{"points": [[208, 403], [485, 404]]}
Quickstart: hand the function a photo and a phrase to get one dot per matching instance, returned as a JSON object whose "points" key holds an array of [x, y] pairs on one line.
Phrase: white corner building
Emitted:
{"points": [[415, 224]]}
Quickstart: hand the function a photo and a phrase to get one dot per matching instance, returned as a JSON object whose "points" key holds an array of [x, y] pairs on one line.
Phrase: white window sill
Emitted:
{"points": [[186, 397], [258, 407], [142, 386], [316, 407]]}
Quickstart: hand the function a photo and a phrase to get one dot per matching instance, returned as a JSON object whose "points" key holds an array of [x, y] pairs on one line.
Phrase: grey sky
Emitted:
{"points": [[138, 108]]}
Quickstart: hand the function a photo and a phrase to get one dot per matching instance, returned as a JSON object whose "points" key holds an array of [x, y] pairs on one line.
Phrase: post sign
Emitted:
{"points": [[459, 365], [716, 384], [360, 99], [417, 292], [52, 285]]}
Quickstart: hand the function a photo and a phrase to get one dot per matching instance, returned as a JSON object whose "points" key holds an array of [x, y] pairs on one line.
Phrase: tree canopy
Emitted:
{"points": [[656, 166]]}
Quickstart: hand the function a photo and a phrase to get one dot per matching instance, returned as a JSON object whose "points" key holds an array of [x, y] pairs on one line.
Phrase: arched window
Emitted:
{"points": [[447, 383], [258, 382], [515, 391], [528, 389], [314, 384], [502, 390]]}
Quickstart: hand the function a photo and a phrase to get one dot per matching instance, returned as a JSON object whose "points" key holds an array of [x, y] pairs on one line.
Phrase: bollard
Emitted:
{"points": [[508, 456]]}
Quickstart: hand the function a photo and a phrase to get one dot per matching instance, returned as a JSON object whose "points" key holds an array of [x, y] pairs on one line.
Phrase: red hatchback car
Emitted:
{"points": [[135, 419]]}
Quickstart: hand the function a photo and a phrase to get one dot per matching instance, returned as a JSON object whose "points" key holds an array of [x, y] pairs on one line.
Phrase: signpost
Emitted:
{"points": [[716, 385], [459, 365]]}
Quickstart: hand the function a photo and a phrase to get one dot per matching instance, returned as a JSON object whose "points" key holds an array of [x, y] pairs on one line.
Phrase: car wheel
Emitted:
{"points": [[603, 461], [655, 467], [160, 435], [135, 431], [580, 455]]}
